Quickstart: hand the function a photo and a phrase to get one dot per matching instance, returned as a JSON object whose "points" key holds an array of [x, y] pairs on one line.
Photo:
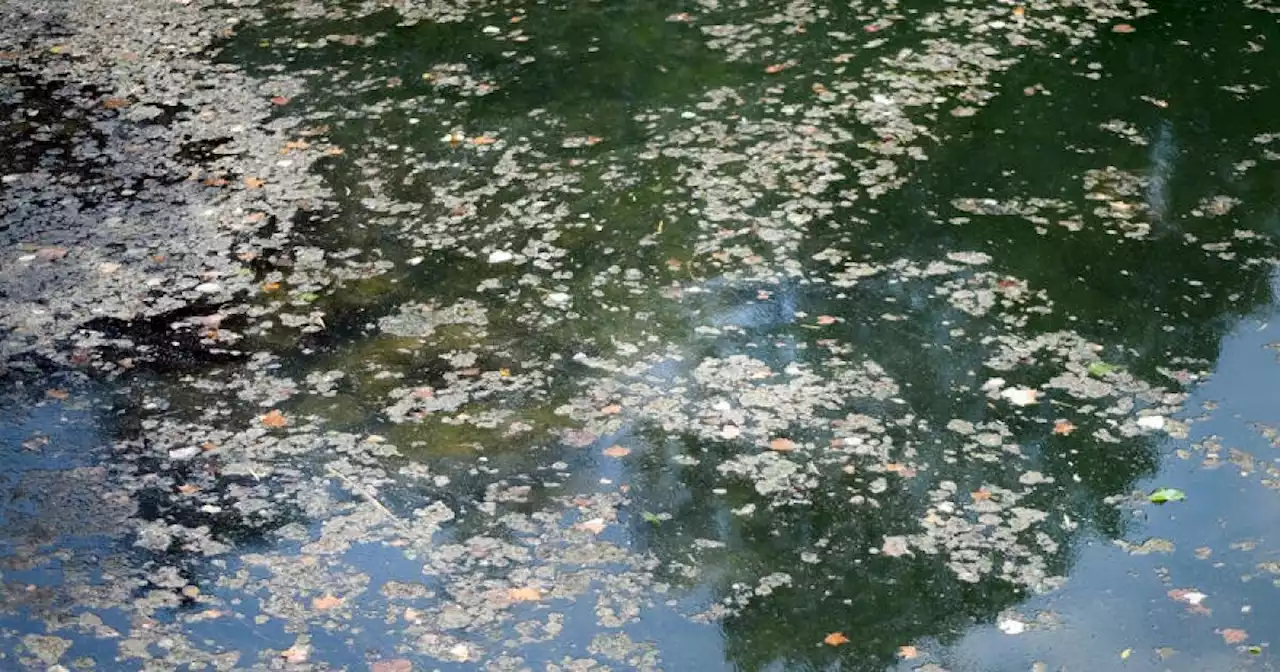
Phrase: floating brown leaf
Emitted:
{"points": [[524, 594], [782, 445], [393, 665], [901, 469], [1063, 428], [253, 182], [835, 639], [908, 652], [270, 287], [326, 602], [55, 393], [594, 526], [617, 451], [114, 103], [1122, 28], [275, 419], [824, 320], [1233, 635]]}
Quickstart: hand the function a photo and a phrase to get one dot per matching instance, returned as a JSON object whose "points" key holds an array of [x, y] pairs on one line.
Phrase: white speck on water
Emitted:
{"points": [[1010, 626], [1154, 422]]}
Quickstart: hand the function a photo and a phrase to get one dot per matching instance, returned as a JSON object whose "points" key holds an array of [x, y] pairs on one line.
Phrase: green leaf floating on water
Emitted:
{"points": [[1163, 495], [308, 297], [1100, 369], [651, 517]]}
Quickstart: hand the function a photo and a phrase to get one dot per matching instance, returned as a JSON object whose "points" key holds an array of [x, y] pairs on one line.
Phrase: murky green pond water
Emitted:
{"points": [[718, 335]]}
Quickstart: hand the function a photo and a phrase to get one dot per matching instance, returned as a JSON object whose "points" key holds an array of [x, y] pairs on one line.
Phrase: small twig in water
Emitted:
{"points": [[358, 489]]}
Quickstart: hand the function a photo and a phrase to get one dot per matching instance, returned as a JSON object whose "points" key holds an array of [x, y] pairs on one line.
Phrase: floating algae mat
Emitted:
{"points": [[756, 335]]}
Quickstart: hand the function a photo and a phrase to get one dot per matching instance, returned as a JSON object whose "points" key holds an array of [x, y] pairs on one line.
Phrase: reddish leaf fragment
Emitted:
{"points": [[1233, 635], [393, 665], [275, 419], [1122, 28], [782, 445], [280, 100], [524, 594], [908, 652], [617, 451], [1063, 428], [114, 103], [835, 639], [326, 602], [824, 320]]}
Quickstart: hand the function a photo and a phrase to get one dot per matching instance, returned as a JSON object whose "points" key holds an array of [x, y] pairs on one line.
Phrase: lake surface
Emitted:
{"points": [[694, 336]]}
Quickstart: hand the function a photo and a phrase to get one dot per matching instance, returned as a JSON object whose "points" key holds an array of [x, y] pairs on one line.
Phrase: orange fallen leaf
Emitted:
{"points": [[295, 654], [824, 320], [188, 488], [335, 151], [617, 451], [1018, 11], [594, 140], [55, 393], [611, 409], [835, 639], [270, 287], [776, 68], [326, 602], [907, 652], [275, 419], [114, 103], [524, 594], [1063, 428], [279, 100], [782, 445], [295, 145], [393, 665], [253, 183], [980, 495], [1233, 635], [898, 468], [594, 526], [483, 140], [1122, 28]]}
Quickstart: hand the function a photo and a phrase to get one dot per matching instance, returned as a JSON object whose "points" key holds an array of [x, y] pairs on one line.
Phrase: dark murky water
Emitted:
{"points": [[662, 335]]}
